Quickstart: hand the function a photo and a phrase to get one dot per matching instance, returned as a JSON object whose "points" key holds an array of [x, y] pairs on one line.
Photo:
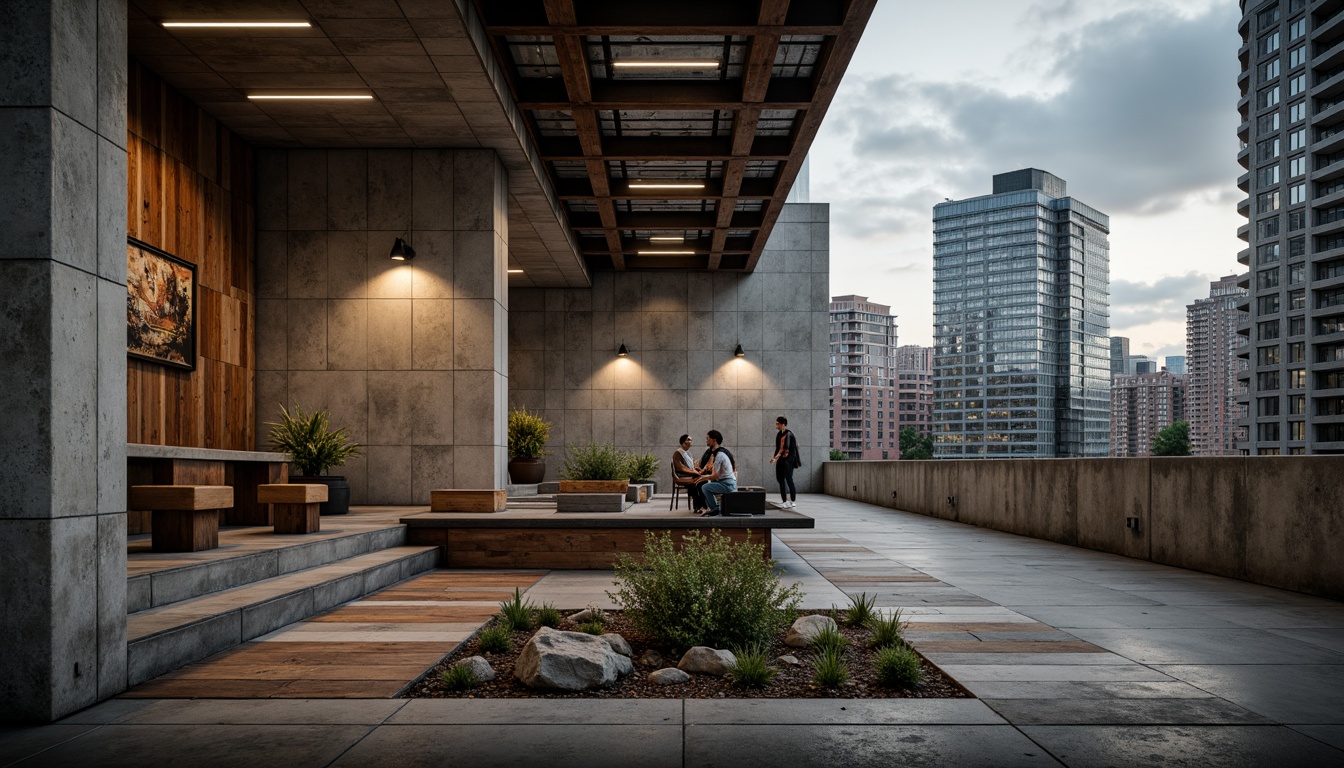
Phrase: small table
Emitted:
{"points": [[295, 507], [186, 517]]}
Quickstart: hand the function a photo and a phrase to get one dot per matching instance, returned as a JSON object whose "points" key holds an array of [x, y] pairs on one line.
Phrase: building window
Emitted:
{"points": [[1269, 43], [1267, 381], [1297, 84], [1269, 97], [1296, 58], [1267, 253], [1297, 405], [1297, 430], [1297, 166], [1297, 351], [1297, 299], [1269, 175], [1297, 194], [1269, 70], [1297, 326], [1297, 378], [1267, 432], [1267, 406], [1296, 220], [1267, 202], [1297, 273], [1267, 356], [1297, 247], [1297, 29], [1267, 331], [1266, 278], [1267, 305], [1267, 149], [1267, 18]]}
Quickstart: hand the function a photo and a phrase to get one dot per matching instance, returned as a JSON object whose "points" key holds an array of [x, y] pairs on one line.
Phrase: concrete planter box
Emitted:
{"points": [[639, 493], [612, 503], [594, 486]]}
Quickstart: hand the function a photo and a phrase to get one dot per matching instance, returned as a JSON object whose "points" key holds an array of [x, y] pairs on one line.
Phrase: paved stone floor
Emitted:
{"points": [[1079, 658]]}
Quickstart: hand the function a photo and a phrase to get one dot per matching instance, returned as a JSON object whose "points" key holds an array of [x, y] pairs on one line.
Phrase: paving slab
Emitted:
{"points": [[998, 689], [265, 712], [862, 746], [1209, 746], [107, 712], [538, 712], [18, 743], [1124, 617], [1312, 694], [524, 746], [1331, 735], [1078, 672], [203, 746], [839, 711], [1059, 711], [1057, 659], [1230, 645]]}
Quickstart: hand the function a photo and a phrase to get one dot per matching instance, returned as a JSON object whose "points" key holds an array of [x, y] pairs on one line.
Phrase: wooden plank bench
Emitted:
{"points": [[186, 517], [468, 500], [295, 507]]}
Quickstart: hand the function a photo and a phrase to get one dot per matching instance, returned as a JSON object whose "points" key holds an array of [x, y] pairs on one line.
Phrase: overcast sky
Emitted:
{"points": [[1133, 102]]}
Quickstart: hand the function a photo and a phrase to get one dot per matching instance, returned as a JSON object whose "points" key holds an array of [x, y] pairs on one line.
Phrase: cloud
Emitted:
{"points": [[1135, 304]]}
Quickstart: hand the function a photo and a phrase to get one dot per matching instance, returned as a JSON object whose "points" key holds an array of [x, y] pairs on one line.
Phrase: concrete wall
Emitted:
{"points": [[409, 357], [63, 347], [681, 376], [1275, 520]]}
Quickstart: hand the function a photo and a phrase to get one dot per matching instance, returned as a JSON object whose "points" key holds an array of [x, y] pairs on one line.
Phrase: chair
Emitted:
{"points": [[676, 488]]}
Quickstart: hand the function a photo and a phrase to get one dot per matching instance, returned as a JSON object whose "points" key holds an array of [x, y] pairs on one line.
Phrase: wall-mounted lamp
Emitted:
{"points": [[622, 352], [401, 251], [738, 352]]}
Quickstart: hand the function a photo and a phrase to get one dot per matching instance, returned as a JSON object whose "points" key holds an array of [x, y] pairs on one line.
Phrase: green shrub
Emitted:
{"points": [[548, 616], [861, 613], [595, 462], [838, 455], [898, 666], [458, 678], [642, 467], [496, 639], [752, 667], [309, 441], [593, 627], [829, 668], [709, 591], [830, 639], [515, 614], [888, 631], [528, 433]]}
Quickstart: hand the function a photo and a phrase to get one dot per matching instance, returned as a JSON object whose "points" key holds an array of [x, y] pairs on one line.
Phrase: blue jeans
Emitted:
{"points": [[717, 486]]}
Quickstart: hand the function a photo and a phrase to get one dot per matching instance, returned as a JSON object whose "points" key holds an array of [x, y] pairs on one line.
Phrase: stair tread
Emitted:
{"points": [[155, 620]]}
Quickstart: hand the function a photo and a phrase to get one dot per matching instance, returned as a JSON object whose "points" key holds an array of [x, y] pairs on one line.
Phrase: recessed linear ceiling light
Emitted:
{"points": [[667, 185], [515, 271], [667, 239], [310, 96], [237, 24], [666, 63], [665, 253]]}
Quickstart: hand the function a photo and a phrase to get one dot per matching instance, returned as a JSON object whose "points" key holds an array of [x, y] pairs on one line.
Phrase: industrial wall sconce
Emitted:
{"points": [[738, 352], [622, 352], [402, 251]]}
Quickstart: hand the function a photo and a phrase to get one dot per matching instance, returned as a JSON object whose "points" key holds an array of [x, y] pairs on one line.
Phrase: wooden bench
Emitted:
{"points": [[186, 517], [468, 500], [295, 507]]}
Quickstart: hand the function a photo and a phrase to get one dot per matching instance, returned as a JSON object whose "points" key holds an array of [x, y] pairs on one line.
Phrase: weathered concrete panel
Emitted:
{"points": [[1199, 514], [1295, 517], [1108, 491]]}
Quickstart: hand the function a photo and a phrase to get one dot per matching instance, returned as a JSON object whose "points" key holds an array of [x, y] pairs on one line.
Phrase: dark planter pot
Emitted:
{"points": [[527, 471], [338, 492]]}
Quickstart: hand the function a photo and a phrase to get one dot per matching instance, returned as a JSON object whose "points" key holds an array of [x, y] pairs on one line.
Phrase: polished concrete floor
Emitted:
{"points": [[1078, 658]]}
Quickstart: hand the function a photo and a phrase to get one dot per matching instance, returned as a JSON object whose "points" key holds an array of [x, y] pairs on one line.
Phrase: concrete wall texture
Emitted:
{"points": [[1274, 520], [409, 357], [681, 377], [63, 343]]}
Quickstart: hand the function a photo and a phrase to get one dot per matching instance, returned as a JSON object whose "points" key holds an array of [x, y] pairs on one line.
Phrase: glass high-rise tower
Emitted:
{"points": [[1021, 323], [1292, 134]]}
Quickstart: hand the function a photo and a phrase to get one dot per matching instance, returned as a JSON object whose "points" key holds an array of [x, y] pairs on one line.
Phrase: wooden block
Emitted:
{"points": [[186, 530], [291, 493], [297, 518], [181, 497], [594, 486], [468, 500]]}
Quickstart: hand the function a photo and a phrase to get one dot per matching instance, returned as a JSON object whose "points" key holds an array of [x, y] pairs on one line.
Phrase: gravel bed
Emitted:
{"points": [[792, 682]]}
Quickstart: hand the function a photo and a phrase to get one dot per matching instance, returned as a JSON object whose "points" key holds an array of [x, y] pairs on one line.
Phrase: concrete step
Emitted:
{"points": [[162, 639], [215, 573]]}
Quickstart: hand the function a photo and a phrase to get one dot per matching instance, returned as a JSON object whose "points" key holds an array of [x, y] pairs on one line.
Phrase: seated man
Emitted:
{"points": [[722, 476], [686, 474]]}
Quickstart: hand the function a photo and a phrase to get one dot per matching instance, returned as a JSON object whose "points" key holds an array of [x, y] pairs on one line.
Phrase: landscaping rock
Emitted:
{"points": [[479, 667], [586, 614], [618, 644], [792, 661], [651, 659], [806, 628], [706, 661], [669, 676], [569, 661]]}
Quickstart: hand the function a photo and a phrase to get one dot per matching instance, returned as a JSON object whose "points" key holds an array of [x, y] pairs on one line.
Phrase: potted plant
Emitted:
{"points": [[313, 447], [641, 468], [595, 468], [528, 433]]}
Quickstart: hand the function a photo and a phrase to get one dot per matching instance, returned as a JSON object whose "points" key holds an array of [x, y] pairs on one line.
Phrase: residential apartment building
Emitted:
{"points": [[1119, 351], [1176, 364], [1211, 344], [863, 378], [1141, 407], [1021, 323], [1292, 134], [914, 388]]}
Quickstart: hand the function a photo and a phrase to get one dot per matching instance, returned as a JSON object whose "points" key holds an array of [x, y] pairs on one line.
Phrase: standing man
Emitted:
{"points": [[722, 476], [786, 459]]}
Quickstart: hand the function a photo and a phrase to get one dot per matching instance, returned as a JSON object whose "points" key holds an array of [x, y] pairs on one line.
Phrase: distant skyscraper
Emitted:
{"points": [[1289, 131], [1176, 364], [1021, 322], [1140, 364], [1119, 351], [1211, 343], [863, 378], [1142, 406], [914, 388]]}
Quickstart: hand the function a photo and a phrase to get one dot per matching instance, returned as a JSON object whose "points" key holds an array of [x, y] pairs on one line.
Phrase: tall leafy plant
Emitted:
{"points": [[310, 442], [596, 461], [528, 433], [642, 466]]}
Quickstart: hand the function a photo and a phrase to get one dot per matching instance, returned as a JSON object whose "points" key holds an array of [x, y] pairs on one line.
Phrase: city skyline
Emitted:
{"points": [[933, 122]]}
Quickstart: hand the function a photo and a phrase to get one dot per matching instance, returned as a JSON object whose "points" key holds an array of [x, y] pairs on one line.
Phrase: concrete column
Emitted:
{"points": [[63, 343]]}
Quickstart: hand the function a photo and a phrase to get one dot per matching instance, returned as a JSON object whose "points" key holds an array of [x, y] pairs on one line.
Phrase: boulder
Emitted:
{"points": [[651, 659], [706, 661], [479, 667], [618, 644], [792, 661], [569, 661], [669, 676], [806, 628], [587, 614]]}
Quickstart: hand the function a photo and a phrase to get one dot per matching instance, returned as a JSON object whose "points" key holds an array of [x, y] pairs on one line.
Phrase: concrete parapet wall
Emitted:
{"points": [[1273, 520]]}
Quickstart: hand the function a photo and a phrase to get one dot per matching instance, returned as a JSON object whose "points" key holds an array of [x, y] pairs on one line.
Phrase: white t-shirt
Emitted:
{"points": [[723, 468]]}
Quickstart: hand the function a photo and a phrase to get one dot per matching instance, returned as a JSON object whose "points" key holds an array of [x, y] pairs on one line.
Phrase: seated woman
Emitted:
{"points": [[685, 473]]}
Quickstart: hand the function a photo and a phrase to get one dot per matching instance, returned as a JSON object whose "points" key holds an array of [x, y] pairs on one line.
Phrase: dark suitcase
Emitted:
{"points": [[744, 503]]}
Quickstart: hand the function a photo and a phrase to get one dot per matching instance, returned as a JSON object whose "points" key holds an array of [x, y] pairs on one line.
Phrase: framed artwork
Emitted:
{"points": [[160, 306]]}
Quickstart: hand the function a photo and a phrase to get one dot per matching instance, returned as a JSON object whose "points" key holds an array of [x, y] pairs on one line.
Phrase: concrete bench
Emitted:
{"points": [[592, 502], [185, 517], [295, 507], [469, 500]]}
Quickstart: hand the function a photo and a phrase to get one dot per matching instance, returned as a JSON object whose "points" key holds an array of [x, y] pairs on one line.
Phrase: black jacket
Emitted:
{"points": [[791, 446]]}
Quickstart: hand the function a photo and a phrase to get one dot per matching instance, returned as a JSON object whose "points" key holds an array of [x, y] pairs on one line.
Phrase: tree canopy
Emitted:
{"points": [[1173, 441], [915, 445]]}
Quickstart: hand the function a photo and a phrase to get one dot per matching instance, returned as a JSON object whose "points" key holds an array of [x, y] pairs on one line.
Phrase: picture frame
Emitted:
{"points": [[160, 306]]}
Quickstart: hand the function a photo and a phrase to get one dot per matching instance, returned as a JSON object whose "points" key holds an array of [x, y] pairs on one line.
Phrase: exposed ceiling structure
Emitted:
{"points": [[638, 134]]}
